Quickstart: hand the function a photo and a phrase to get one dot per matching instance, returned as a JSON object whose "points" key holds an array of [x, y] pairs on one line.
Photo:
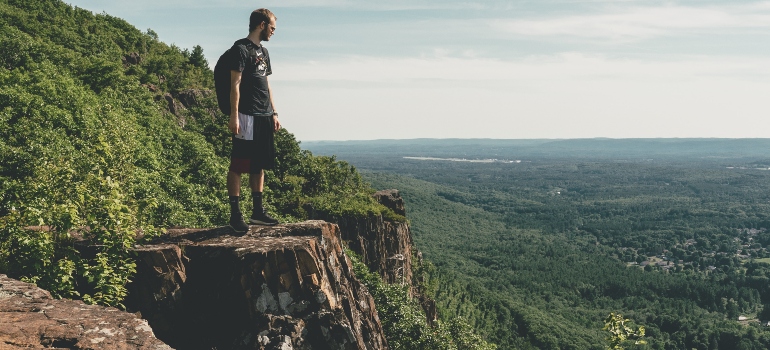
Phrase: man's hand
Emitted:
{"points": [[276, 123], [234, 124]]}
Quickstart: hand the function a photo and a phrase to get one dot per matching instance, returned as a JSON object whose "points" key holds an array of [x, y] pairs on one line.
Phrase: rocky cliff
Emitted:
{"points": [[284, 287], [31, 319], [385, 245]]}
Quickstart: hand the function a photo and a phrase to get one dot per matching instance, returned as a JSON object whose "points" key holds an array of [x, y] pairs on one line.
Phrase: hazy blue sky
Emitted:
{"points": [[495, 69]]}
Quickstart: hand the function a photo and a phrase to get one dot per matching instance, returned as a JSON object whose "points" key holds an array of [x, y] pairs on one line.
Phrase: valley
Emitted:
{"points": [[537, 253]]}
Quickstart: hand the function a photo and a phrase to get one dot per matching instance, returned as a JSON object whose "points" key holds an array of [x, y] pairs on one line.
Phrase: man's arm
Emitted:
{"points": [[276, 123], [235, 96]]}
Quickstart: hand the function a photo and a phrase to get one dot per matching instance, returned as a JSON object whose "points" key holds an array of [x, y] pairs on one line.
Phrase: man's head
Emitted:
{"points": [[263, 21]]}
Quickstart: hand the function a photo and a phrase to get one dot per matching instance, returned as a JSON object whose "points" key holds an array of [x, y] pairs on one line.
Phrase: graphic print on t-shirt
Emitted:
{"points": [[261, 64]]}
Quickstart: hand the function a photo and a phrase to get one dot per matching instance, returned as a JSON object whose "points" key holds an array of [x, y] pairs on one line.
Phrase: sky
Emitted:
{"points": [[515, 69]]}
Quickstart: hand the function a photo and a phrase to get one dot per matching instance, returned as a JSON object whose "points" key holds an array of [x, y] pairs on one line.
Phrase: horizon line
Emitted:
{"points": [[549, 139]]}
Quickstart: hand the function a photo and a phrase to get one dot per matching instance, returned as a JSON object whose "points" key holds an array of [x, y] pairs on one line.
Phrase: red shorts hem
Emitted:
{"points": [[240, 165]]}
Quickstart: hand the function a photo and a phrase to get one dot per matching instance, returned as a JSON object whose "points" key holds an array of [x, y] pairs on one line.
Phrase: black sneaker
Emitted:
{"points": [[238, 225], [262, 218]]}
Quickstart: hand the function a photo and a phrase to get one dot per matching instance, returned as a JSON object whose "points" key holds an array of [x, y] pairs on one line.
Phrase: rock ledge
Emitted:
{"points": [[31, 319], [284, 287]]}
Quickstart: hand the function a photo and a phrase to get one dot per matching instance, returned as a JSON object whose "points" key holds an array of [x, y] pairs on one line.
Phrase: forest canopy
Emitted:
{"points": [[537, 241]]}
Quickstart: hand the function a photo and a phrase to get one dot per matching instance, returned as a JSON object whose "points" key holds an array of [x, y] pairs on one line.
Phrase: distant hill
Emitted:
{"points": [[550, 148]]}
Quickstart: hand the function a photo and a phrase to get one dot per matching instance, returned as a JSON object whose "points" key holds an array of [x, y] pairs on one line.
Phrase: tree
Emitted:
{"points": [[196, 57], [620, 333], [764, 315]]}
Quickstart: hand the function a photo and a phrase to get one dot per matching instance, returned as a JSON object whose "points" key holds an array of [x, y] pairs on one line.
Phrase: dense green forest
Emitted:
{"points": [[537, 248], [110, 136]]}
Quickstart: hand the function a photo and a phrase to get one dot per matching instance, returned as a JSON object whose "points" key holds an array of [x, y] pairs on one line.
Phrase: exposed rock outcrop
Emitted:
{"points": [[152, 87], [385, 245], [178, 103], [31, 319], [391, 199], [132, 58], [192, 97], [175, 108], [285, 287]]}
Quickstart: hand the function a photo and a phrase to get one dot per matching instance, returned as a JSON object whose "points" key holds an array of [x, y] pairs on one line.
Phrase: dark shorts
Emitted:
{"points": [[251, 156]]}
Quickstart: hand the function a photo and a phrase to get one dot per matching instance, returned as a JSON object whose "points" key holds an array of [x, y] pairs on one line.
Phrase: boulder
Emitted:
{"points": [[31, 319], [174, 106]]}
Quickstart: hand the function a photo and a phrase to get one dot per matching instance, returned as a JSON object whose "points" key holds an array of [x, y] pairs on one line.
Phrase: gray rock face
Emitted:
{"points": [[175, 107], [132, 58], [192, 97], [31, 319], [384, 245], [284, 287], [392, 200]]}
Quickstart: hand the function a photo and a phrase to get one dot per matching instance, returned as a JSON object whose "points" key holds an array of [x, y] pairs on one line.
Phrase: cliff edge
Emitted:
{"points": [[385, 245], [284, 287]]}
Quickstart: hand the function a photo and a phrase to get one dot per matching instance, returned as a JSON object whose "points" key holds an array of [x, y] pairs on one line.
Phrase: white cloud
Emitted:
{"points": [[566, 95], [643, 22], [564, 66]]}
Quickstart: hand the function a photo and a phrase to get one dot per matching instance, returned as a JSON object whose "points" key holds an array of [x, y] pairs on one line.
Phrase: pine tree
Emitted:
{"points": [[196, 57]]}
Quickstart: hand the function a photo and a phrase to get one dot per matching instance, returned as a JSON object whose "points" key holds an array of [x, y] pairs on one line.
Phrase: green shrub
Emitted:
{"points": [[404, 322]]}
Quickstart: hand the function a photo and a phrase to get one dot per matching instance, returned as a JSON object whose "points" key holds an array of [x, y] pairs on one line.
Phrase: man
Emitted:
{"points": [[253, 119]]}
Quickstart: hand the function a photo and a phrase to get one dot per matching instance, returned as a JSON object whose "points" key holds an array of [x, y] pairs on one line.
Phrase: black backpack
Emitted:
{"points": [[222, 77]]}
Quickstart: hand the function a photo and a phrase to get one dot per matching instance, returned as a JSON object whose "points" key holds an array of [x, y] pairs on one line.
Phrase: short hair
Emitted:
{"points": [[258, 16]]}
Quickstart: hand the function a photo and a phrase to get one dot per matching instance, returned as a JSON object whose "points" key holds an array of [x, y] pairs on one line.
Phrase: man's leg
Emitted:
{"points": [[259, 215], [257, 184], [234, 191], [257, 181], [233, 184]]}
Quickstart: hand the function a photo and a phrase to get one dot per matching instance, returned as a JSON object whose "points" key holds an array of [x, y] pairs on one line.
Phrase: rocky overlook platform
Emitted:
{"points": [[284, 287]]}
